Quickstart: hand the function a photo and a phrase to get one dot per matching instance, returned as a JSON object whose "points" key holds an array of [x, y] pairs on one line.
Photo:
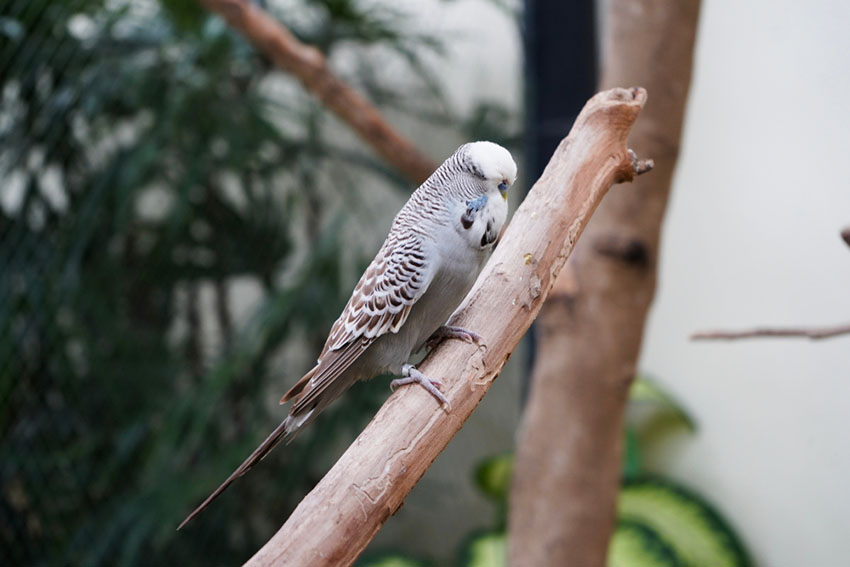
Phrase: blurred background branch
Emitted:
{"points": [[813, 333], [310, 66], [760, 332], [589, 333]]}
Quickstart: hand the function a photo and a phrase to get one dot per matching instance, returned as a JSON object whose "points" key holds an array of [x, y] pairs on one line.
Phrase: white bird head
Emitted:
{"points": [[468, 191], [490, 162], [486, 171]]}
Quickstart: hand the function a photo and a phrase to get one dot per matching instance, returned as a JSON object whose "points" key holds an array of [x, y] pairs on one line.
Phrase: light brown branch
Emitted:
{"points": [[809, 333], [310, 66], [336, 521], [589, 333]]}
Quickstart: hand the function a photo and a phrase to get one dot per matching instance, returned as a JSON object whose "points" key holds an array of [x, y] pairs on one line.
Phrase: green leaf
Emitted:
{"points": [[644, 391], [686, 522], [632, 460], [390, 560], [493, 476], [635, 545], [488, 549], [185, 14]]}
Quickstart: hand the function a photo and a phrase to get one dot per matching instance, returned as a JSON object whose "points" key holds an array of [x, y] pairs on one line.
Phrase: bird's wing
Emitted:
{"points": [[380, 304], [397, 277]]}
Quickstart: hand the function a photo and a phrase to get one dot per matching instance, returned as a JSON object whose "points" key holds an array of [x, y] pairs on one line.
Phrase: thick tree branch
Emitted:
{"points": [[810, 333], [311, 68], [567, 474], [336, 521]]}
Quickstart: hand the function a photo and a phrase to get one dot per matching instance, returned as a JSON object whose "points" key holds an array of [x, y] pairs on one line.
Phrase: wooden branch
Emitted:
{"points": [[809, 333], [369, 483], [762, 332], [310, 66], [589, 333]]}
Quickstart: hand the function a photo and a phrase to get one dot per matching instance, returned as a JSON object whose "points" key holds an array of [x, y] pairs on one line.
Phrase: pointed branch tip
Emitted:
{"points": [[640, 166]]}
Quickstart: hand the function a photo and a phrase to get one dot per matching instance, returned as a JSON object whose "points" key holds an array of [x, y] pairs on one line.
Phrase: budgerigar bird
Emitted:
{"points": [[437, 245]]}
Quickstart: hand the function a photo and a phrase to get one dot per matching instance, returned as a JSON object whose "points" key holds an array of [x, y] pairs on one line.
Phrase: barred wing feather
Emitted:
{"points": [[397, 277]]}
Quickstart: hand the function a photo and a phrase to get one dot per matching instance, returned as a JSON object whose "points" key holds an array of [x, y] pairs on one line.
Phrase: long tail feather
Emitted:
{"points": [[260, 452]]}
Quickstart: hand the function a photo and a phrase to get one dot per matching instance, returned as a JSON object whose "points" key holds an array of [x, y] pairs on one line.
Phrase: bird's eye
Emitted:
{"points": [[503, 186]]}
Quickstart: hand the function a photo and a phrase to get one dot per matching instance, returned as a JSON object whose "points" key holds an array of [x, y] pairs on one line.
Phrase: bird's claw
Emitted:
{"points": [[453, 332], [413, 376]]}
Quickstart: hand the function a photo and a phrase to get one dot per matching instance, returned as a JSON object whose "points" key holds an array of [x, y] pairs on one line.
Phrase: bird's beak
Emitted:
{"points": [[503, 189]]}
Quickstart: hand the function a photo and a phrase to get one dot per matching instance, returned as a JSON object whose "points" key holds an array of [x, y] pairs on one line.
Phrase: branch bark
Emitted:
{"points": [[311, 67], [336, 521], [567, 472], [810, 333]]}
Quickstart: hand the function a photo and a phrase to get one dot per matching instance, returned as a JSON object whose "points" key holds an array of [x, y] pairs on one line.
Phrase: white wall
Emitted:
{"points": [[751, 238]]}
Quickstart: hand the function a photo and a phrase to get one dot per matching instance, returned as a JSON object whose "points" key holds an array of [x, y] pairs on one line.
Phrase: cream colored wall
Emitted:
{"points": [[751, 238]]}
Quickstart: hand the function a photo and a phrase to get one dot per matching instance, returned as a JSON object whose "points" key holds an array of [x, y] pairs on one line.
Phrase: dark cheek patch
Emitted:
{"points": [[489, 235], [472, 207], [466, 219]]}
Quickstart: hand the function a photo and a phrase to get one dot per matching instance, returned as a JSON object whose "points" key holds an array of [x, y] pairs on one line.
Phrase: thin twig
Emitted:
{"points": [[311, 67], [809, 333], [764, 332]]}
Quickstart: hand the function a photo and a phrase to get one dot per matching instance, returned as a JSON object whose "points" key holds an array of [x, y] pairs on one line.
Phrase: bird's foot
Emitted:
{"points": [[452, 332], [413, 376]]}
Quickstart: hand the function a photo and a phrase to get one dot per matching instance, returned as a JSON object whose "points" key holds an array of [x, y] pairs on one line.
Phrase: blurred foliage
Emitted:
{"points": [[659, 522], [151, 160]]}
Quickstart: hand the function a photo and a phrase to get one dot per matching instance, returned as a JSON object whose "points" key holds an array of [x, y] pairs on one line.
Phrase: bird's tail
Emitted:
{"points": [[284, 430]]}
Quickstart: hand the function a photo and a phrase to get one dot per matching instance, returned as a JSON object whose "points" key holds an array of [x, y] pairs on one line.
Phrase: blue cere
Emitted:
{"points": [[477, 204]]}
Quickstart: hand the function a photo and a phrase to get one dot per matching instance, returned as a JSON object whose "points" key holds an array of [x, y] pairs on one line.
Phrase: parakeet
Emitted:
{"points": [[435, 249]]}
